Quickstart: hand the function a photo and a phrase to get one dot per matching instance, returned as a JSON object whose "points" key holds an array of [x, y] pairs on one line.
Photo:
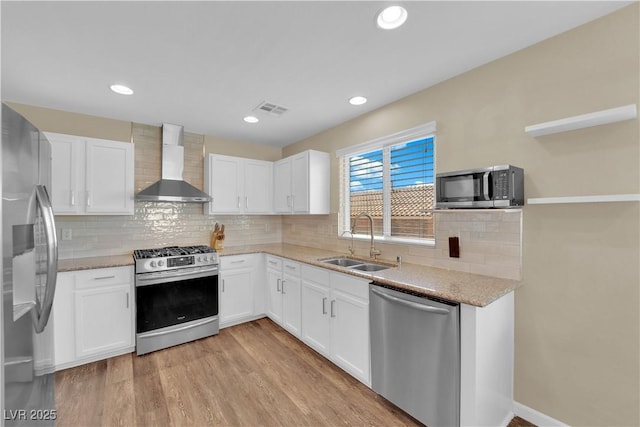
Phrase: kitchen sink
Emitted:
{"points": [[343, 262], [356, 264], [370, 267]]}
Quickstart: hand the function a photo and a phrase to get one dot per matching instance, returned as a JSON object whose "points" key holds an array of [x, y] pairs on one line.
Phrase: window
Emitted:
{"points": [[392, 179]]}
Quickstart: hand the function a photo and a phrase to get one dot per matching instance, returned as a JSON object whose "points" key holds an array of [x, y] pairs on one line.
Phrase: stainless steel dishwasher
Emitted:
{"points": [[415, 354]]}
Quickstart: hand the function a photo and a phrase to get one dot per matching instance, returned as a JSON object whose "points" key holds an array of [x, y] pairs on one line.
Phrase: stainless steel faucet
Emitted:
{"points": [[373, 252]]}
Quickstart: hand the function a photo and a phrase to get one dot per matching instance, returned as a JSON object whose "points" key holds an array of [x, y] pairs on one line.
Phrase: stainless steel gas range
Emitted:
{"points": [[176, 296]]}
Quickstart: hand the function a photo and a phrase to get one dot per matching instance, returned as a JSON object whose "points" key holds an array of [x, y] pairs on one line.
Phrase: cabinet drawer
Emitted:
{"points": [[315, 274], [290, 267], [237, 261], [274, 262], [104, 277], [350, 285]]}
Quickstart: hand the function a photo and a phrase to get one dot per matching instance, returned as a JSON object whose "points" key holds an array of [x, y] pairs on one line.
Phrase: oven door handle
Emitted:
{"points": [[174, 330], [141, 280]]}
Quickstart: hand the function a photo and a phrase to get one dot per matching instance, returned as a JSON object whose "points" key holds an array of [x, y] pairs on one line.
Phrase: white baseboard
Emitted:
{"points": [[535, 417]]}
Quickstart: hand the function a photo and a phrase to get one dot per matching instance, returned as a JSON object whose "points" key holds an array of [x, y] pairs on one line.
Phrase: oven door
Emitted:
{"points": [[465, 189], [163, 301]]}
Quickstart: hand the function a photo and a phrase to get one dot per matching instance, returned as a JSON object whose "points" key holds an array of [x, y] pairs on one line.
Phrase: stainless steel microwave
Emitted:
{"points": [[491, 187]]}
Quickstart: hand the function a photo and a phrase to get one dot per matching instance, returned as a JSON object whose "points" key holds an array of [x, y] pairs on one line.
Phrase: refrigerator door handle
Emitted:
{"points": [[42, 311]]}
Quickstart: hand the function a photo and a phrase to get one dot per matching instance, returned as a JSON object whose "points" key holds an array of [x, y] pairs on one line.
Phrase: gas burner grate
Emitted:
{"points": [[171, 251]]}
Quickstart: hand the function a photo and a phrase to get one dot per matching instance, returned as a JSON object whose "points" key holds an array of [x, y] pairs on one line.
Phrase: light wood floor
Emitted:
{"points": [[254, 374]]}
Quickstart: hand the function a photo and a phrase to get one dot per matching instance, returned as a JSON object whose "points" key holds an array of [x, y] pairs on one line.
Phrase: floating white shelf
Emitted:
{"points": [[585, 199], [603, 117]]}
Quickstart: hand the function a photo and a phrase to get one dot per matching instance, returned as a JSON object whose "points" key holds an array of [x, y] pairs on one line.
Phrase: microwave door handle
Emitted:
{"points": [[40, 314], [485, 185]]}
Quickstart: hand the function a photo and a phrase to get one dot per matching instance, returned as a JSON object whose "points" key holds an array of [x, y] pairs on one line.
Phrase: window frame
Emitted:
{"points": [[427, 130]]}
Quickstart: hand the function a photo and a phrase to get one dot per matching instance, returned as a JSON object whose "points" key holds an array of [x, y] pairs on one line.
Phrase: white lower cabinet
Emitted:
{"points": [[93, 315], [240, 296], [283, 293], [335, 318]]}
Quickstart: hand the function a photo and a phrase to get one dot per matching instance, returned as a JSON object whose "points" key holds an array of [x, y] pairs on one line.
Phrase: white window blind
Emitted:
{"points": [[392, 179]]}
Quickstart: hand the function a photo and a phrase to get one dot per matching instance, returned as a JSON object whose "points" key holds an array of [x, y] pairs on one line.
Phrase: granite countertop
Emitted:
{"points": [[457, 286], [89, 263]]}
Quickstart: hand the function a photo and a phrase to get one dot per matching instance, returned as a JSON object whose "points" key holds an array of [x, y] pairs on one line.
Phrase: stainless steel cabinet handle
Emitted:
{"points": [[278, 285], [222, 285], [333, 308], [238, 202], [283, 292], [291, 267], [273, 263], [88, 198], [324, 307], [104, 277], [240, 261], [246, 202], [127, 299], [411, 304], [73, 198], [288, 201]]}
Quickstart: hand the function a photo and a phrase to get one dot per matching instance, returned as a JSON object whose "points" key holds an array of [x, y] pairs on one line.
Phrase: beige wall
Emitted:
{"points": [[229, 147], [577, 315], [65, 122]]}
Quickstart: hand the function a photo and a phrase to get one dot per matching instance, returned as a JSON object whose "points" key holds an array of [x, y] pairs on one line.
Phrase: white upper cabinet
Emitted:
{"points": [[301, 183], [238, 185], [91, 176]]}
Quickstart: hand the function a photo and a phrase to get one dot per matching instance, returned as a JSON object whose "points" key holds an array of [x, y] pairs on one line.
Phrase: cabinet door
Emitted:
{"points": [[350, 334], [109, 177], [258, 186], [300, 183], [282, 186], [102, 319], [316, 323], [225, 182], [274, 295], [291, 304], [236, 301], [67, 164], [62, 313]]}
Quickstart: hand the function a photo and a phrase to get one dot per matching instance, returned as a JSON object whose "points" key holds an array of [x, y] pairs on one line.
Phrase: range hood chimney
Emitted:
{"points": [[172, 188]]}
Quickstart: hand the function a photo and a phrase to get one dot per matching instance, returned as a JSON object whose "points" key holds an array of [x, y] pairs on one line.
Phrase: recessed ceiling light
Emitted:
{"points": [[251, 119], [122, 89], [392, 17], [357, 100]]}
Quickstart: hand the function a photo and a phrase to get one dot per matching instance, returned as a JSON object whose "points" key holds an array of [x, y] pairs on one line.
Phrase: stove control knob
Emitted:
{"points": [[199, 259], [153, 264], [160, 263], [212, 259]]}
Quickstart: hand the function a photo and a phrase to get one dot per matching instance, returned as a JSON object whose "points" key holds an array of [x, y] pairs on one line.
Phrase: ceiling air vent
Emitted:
{"points": [[270, 108]]}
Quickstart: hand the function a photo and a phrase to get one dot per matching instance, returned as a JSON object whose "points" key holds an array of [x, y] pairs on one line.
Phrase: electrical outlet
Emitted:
{"points": [[67, 234]]}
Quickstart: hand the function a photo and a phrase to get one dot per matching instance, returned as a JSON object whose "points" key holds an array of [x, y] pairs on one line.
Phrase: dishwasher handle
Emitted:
{"points": [[411, 304]]}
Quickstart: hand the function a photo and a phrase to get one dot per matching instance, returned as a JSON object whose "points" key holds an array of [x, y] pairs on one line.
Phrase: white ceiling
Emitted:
{"points": [[206, 65]]}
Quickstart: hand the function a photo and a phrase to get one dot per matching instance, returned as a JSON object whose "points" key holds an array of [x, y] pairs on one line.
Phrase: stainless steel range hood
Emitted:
{"points": [[172, 188]]}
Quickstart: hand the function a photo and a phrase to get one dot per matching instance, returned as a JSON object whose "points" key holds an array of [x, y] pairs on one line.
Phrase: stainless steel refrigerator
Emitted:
{"points": [[29, 267]]}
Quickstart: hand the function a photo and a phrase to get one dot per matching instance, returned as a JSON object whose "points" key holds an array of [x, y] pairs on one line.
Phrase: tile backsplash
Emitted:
{"points": [[490, 241], [160, 224]]}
